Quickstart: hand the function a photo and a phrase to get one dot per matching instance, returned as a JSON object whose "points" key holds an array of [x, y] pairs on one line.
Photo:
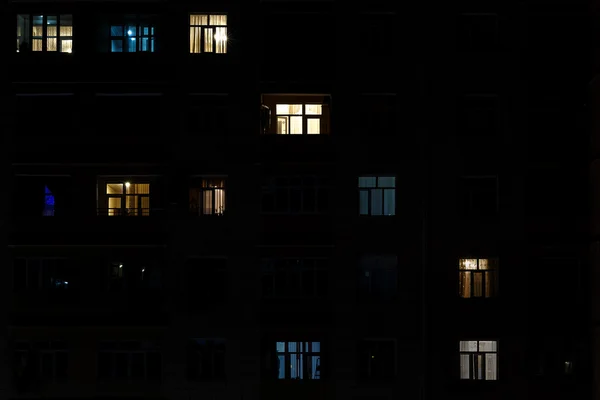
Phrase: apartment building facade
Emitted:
{"points": [[256, 200]]}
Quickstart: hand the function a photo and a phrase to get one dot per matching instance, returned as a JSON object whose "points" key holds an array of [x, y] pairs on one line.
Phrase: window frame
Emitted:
{"points": [[369, 190], [44, 37], [200, 185], [203, 32], [140, 22], [473, 356], [271, 186], [214, 352], [123, 210], [394, 341], [491, 270], [52, 349], [362, 268], [270, 267], [41, 274], [304, 356], [153, 349]]}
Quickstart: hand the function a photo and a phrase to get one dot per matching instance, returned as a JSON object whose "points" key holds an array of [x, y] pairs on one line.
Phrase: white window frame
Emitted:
{"points": [[471, 370]]}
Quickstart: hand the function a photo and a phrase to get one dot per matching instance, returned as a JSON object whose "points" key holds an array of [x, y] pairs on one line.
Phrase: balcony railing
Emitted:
{"points": [[125, 212]]}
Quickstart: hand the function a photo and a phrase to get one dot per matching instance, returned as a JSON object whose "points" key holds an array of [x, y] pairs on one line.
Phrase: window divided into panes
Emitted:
{"points": [[294, 277], [206, 359], [295, 195], [44, 33], [478, 277], [208, 33], [479, 360], [132, 37], [50, 274], [125, 199], [129, 361], [297, 119], [299, 360], [378, 275], [207, 197], [48, 360], [377, 195]]}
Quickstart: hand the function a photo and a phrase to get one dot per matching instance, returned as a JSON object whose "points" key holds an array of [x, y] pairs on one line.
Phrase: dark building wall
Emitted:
{"points": [[401, 88]]}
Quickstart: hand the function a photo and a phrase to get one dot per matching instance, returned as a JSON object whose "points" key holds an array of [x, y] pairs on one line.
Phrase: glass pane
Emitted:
{"points": [[218, 20], [490, 284], [483, 263], [195, 39], [363, 201], [464, 285], [491, 367], [376, 202], [386, 182], [114, 188], [116, 46], [116, 31], [487, 346], [288, 109], [208, 40], [477, 284], [221, 40], [313, 126], [389, 202], [219, 201], [282, 125], [132, 30], [367, 181], [66, 45], [314, 109], [199, 19], [51, 44], [208, 202], [52, 20], [281, 367], [467, 263], [114, 206], [468, 346], [295, 125], [464, 366], [480, 366], [131, 45]]}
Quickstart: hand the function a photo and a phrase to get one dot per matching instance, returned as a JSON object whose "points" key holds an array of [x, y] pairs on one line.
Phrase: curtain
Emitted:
{"points": [[196, 23]]}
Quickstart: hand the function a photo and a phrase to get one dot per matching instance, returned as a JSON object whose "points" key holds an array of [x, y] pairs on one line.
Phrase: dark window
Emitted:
{"points": [[206, 281], [129, 361], [47, 360], [478, 196], [478, 116], [304, 277], [295, 195], [377, 359], [377, 34], [54, 274], [477, 32], [206, 359], [42, 196], [378, 115], [378, 275], [133, 276]]}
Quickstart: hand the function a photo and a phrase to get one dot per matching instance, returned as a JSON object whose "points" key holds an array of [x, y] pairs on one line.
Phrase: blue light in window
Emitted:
{"points": [[48, 202]]}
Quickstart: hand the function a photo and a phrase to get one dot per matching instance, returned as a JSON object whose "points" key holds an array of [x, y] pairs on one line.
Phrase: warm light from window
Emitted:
{"points": [[127, 184], [221, 37]]}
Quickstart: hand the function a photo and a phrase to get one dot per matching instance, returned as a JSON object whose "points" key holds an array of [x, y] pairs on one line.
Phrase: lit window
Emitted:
{"points": [[298, 360], [479, 360], [126, 199], [131, 38], [377, 195], [295, 119], [44, 33], [478, 277], [208, 198], [48, 203], [208, 33]]}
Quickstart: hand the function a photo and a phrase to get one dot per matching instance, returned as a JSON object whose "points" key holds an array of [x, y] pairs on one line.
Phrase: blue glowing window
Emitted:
{"points": [[48, 202]]}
